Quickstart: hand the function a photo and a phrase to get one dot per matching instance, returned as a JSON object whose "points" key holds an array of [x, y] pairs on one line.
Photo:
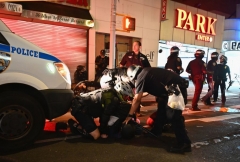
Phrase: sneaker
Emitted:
{"points": [[195, 109], [181, 148]]}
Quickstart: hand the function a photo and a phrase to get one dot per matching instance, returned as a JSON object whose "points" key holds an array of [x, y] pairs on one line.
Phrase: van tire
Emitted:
{"points": [[21, 120]]}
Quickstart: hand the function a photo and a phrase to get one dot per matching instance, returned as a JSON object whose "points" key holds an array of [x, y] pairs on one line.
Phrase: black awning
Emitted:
{"points": [[57, 9]]}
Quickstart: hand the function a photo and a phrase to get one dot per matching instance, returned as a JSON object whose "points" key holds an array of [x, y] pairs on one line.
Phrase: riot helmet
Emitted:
{"points": [[133, 71], [174, 49], [199, 54], [128, 131], [124, 88], [214, 56]]}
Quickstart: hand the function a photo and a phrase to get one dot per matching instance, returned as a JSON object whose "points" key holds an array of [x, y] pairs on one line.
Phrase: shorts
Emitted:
{"points": [[86, 122]]}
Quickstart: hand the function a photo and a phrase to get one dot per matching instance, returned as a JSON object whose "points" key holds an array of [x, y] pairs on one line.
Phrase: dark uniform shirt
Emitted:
{"points": [[173, 63], [101, 63], [210, 67], [196, 67], [154, 80], [220, 72], [130, 58]]}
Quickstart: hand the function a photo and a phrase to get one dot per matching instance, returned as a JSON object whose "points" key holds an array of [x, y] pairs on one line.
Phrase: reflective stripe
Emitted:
{"points": [[4, 48], [48, 57], [45, 56]]}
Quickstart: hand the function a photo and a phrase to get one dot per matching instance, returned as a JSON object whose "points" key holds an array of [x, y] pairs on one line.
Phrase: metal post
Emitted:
{"points": [[112, 53]]}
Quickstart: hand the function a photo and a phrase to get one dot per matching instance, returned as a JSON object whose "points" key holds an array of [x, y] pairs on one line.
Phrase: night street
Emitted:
{"points": [[214, 132]]}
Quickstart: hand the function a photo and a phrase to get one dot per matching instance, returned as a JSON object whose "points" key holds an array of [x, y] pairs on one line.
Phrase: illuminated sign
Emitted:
{"points": [[204, 38], [197, 22], [129, 23], [76, 3], [164, 9], [57, 18], [231, 46]]}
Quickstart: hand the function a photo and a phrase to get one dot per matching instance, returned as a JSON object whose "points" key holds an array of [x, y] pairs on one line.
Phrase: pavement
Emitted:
{"points": [[214, 132]]}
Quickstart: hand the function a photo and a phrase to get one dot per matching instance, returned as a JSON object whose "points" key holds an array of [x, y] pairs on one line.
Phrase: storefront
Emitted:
{"points": [[231, 44], [59, 28], [190, 29], [146, 14]]}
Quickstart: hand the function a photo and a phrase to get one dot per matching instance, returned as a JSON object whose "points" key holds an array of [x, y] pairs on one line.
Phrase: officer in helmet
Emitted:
{"points": [[155, 81], [197, 69], [174, 63], [210, 70], [107, 104], [220, 77]]}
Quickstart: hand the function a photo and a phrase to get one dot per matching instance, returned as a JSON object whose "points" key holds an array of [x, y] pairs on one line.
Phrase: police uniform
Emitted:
{"points": [[197, 69], [220, 78], [101, 103], [130, 58], [173, 63], [153, 81], [210, 68]]}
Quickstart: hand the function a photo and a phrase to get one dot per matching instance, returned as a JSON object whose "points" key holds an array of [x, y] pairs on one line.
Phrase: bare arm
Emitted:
{"points": [[136, 102]]}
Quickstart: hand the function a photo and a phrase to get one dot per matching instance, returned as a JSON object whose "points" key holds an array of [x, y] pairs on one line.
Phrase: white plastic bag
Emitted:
{"points": [[176, 102]]}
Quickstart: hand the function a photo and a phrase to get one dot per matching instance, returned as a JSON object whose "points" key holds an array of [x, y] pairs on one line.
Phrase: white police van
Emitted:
{"points": [[34, 86]]}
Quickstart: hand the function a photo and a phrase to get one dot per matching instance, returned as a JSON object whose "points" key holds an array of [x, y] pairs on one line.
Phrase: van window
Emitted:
{"points": [[3, 40]]}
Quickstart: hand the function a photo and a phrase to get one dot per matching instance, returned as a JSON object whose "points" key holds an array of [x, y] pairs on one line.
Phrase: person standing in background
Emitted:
{"points": [[101, 62], [135, 57], [197, 69], [174, 63], [210, 70], [220, 77]]}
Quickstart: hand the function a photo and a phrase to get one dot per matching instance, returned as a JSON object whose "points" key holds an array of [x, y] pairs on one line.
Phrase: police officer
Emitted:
{"points": [[220, 78], [210, 70], [101, 62], [197, 69], [154, 81], [135, 57], [174, 63], [102, 103]]}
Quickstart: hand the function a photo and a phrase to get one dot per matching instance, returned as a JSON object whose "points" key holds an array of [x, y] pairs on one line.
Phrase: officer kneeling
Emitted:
{"points": [[106, 104], [154, 81]]}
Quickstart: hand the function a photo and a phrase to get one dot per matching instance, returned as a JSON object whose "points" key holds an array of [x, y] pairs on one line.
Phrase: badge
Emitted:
{"points": [[178, 59], [214, 64], [225, 67], [142, 58]]}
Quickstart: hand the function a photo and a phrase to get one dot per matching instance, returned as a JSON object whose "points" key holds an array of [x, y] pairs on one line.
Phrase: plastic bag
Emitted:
{"points": [[176, 102]]}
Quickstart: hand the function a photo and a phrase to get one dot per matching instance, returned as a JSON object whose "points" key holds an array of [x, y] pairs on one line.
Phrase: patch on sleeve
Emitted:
{"points": [[214, 64], [225, 67], [178, 59]]}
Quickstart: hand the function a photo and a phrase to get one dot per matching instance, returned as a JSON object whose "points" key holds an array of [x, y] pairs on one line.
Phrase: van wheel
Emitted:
{"points": [[21, 120]]}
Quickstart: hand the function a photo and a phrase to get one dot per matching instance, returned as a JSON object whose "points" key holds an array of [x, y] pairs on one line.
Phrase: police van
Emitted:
{"points": [[34, 86]]}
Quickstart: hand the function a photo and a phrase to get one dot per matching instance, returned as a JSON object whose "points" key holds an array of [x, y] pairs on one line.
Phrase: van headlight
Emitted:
{"points": [[63, 71]]}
